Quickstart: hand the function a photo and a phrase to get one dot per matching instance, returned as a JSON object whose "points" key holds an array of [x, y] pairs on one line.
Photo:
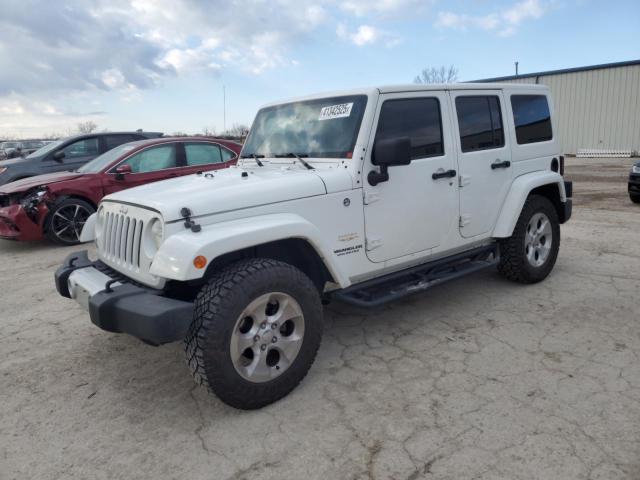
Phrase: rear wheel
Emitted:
{"points": [[634, 198], [529, 255], [256, 330], [66, 220]]}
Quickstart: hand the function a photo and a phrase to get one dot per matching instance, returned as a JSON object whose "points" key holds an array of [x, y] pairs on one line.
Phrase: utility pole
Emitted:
{"points": [[516, 68], [224, 109]]}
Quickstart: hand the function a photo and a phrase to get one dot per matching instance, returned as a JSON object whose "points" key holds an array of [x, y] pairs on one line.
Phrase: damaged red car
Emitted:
{"points": [[56, 206]]}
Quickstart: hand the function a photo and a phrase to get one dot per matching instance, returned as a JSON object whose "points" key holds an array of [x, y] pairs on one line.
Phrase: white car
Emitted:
{"points": [[363, 196]]}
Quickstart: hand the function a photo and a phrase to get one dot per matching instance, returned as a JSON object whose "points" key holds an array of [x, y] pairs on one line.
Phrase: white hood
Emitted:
{"points": [[231, 189]]}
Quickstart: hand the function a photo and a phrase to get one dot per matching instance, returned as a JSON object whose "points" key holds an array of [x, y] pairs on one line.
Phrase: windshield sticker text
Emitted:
{"points": [[336, 111]]}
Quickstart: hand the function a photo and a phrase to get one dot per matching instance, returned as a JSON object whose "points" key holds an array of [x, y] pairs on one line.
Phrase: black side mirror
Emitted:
{"points": [[58, 156], [389, 153]]}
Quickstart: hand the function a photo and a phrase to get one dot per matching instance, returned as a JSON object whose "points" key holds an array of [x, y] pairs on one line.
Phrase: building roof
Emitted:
{"points": [[558, 72]]}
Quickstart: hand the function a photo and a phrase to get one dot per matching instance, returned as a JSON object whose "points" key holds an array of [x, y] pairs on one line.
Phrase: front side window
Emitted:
{"points": [[416, 118], [480, 123], [325, 127], [532, 118], [82, 148], [153, 159], [202, 154]]}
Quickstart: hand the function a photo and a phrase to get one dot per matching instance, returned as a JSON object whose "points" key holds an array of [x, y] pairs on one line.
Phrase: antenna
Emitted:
{"points": [[517, 68], [224, 109]]}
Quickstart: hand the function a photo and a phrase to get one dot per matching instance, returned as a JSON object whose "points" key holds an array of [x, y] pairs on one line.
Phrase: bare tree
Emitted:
{"points": [[437, 75], [208, 131], [87, 127], [237, 130]]}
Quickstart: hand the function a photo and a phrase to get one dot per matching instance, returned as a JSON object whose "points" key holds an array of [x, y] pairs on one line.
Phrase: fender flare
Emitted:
{"points": [[174, 259], [518, 193]]}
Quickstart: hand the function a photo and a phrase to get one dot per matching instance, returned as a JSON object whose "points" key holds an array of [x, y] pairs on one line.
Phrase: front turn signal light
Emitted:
{"points": [[200, 262]]}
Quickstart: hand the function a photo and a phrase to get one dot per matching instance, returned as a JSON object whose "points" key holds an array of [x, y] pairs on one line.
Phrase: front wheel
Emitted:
{"points": [[635, 198], [66, 220], [529, 255], [256, 330]]}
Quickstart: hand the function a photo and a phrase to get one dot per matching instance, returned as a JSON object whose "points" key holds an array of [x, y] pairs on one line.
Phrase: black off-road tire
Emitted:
{"points": [[513, 261], [217, 309], [634, 198], [61, 205]]}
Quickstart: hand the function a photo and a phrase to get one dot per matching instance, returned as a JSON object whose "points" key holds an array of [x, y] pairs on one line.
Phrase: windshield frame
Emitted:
{"points": [[329, 100]]}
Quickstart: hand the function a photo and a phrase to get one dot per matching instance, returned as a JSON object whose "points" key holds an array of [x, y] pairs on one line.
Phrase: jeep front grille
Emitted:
{"points": [[122, 239]]}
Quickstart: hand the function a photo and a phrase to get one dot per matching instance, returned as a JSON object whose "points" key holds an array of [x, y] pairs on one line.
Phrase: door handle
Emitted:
{"points": [[443, 174], [498, 164]]}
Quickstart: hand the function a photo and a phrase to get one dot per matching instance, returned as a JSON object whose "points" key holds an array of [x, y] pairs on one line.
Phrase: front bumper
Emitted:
{"points": [[15, 224], [117, 306], [634, 184]]}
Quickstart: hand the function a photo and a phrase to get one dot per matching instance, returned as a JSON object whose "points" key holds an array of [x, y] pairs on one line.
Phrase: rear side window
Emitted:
{"points": [[532, 118], [113, 141], [202, 154], [480, 123], [227, 154], [82, 148], [416, 118]]}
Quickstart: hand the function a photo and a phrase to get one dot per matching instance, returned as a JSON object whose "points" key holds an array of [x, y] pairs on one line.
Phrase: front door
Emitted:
{"points": [[414, 210], [76, 154], [484, 158], [152, 164]]}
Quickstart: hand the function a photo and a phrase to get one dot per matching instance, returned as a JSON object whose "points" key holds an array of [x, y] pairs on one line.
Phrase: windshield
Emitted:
{"points": [[326, 127], [32, 144], [46, 149], [98, 164]]}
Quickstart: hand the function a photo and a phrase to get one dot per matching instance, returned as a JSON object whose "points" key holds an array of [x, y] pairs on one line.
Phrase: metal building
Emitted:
{"points": [[597, 107]]}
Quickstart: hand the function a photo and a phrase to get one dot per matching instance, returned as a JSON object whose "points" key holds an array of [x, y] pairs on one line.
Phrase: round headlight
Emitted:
{"points": [[157, 232]]}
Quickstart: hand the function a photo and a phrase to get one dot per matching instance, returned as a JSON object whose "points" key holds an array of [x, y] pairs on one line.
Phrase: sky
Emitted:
{"points": [[163, 65]]}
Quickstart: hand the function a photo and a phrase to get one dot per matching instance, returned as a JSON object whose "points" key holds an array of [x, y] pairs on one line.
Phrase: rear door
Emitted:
{"points": [[484, 159], [152, 164]]}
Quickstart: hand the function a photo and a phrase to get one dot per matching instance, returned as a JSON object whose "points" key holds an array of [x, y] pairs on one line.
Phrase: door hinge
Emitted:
{"points": [[464, 220], [371, 196], [373, 243], [464, 180]]}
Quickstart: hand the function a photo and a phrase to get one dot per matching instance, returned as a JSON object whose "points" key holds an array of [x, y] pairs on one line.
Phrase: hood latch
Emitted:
{"points": [[188, 223]]}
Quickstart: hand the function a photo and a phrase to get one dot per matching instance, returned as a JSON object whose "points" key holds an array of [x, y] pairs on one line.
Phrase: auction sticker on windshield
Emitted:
{"points": [[336, 111]]}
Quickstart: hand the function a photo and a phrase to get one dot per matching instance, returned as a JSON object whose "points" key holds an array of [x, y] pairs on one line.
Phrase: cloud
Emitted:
{"points": [[362, 8], [22, 117], [366, 35], [504, 23]]}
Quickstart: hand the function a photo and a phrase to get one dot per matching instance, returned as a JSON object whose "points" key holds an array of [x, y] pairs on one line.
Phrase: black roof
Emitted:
{"points": [[558, 72]]}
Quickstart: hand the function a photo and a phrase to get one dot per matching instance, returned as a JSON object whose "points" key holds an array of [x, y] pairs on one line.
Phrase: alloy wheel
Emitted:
{"points": [[267, 337], [538, 239], [68, 221]]}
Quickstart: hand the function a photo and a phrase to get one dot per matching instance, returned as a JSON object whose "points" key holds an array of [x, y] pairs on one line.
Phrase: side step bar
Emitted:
{"points": [[378, 291]]}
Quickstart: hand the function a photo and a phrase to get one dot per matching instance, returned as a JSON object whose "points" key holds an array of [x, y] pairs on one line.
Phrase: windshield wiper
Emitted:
{"points": [[300, 159], [255, 157]]}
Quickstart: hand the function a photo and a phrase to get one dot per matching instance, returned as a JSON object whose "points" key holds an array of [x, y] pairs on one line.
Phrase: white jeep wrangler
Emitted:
{"points": [[364, 196]]}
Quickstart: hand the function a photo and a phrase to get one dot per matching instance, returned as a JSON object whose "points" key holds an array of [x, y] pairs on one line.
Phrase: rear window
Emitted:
{"points": [[532, 118]]}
